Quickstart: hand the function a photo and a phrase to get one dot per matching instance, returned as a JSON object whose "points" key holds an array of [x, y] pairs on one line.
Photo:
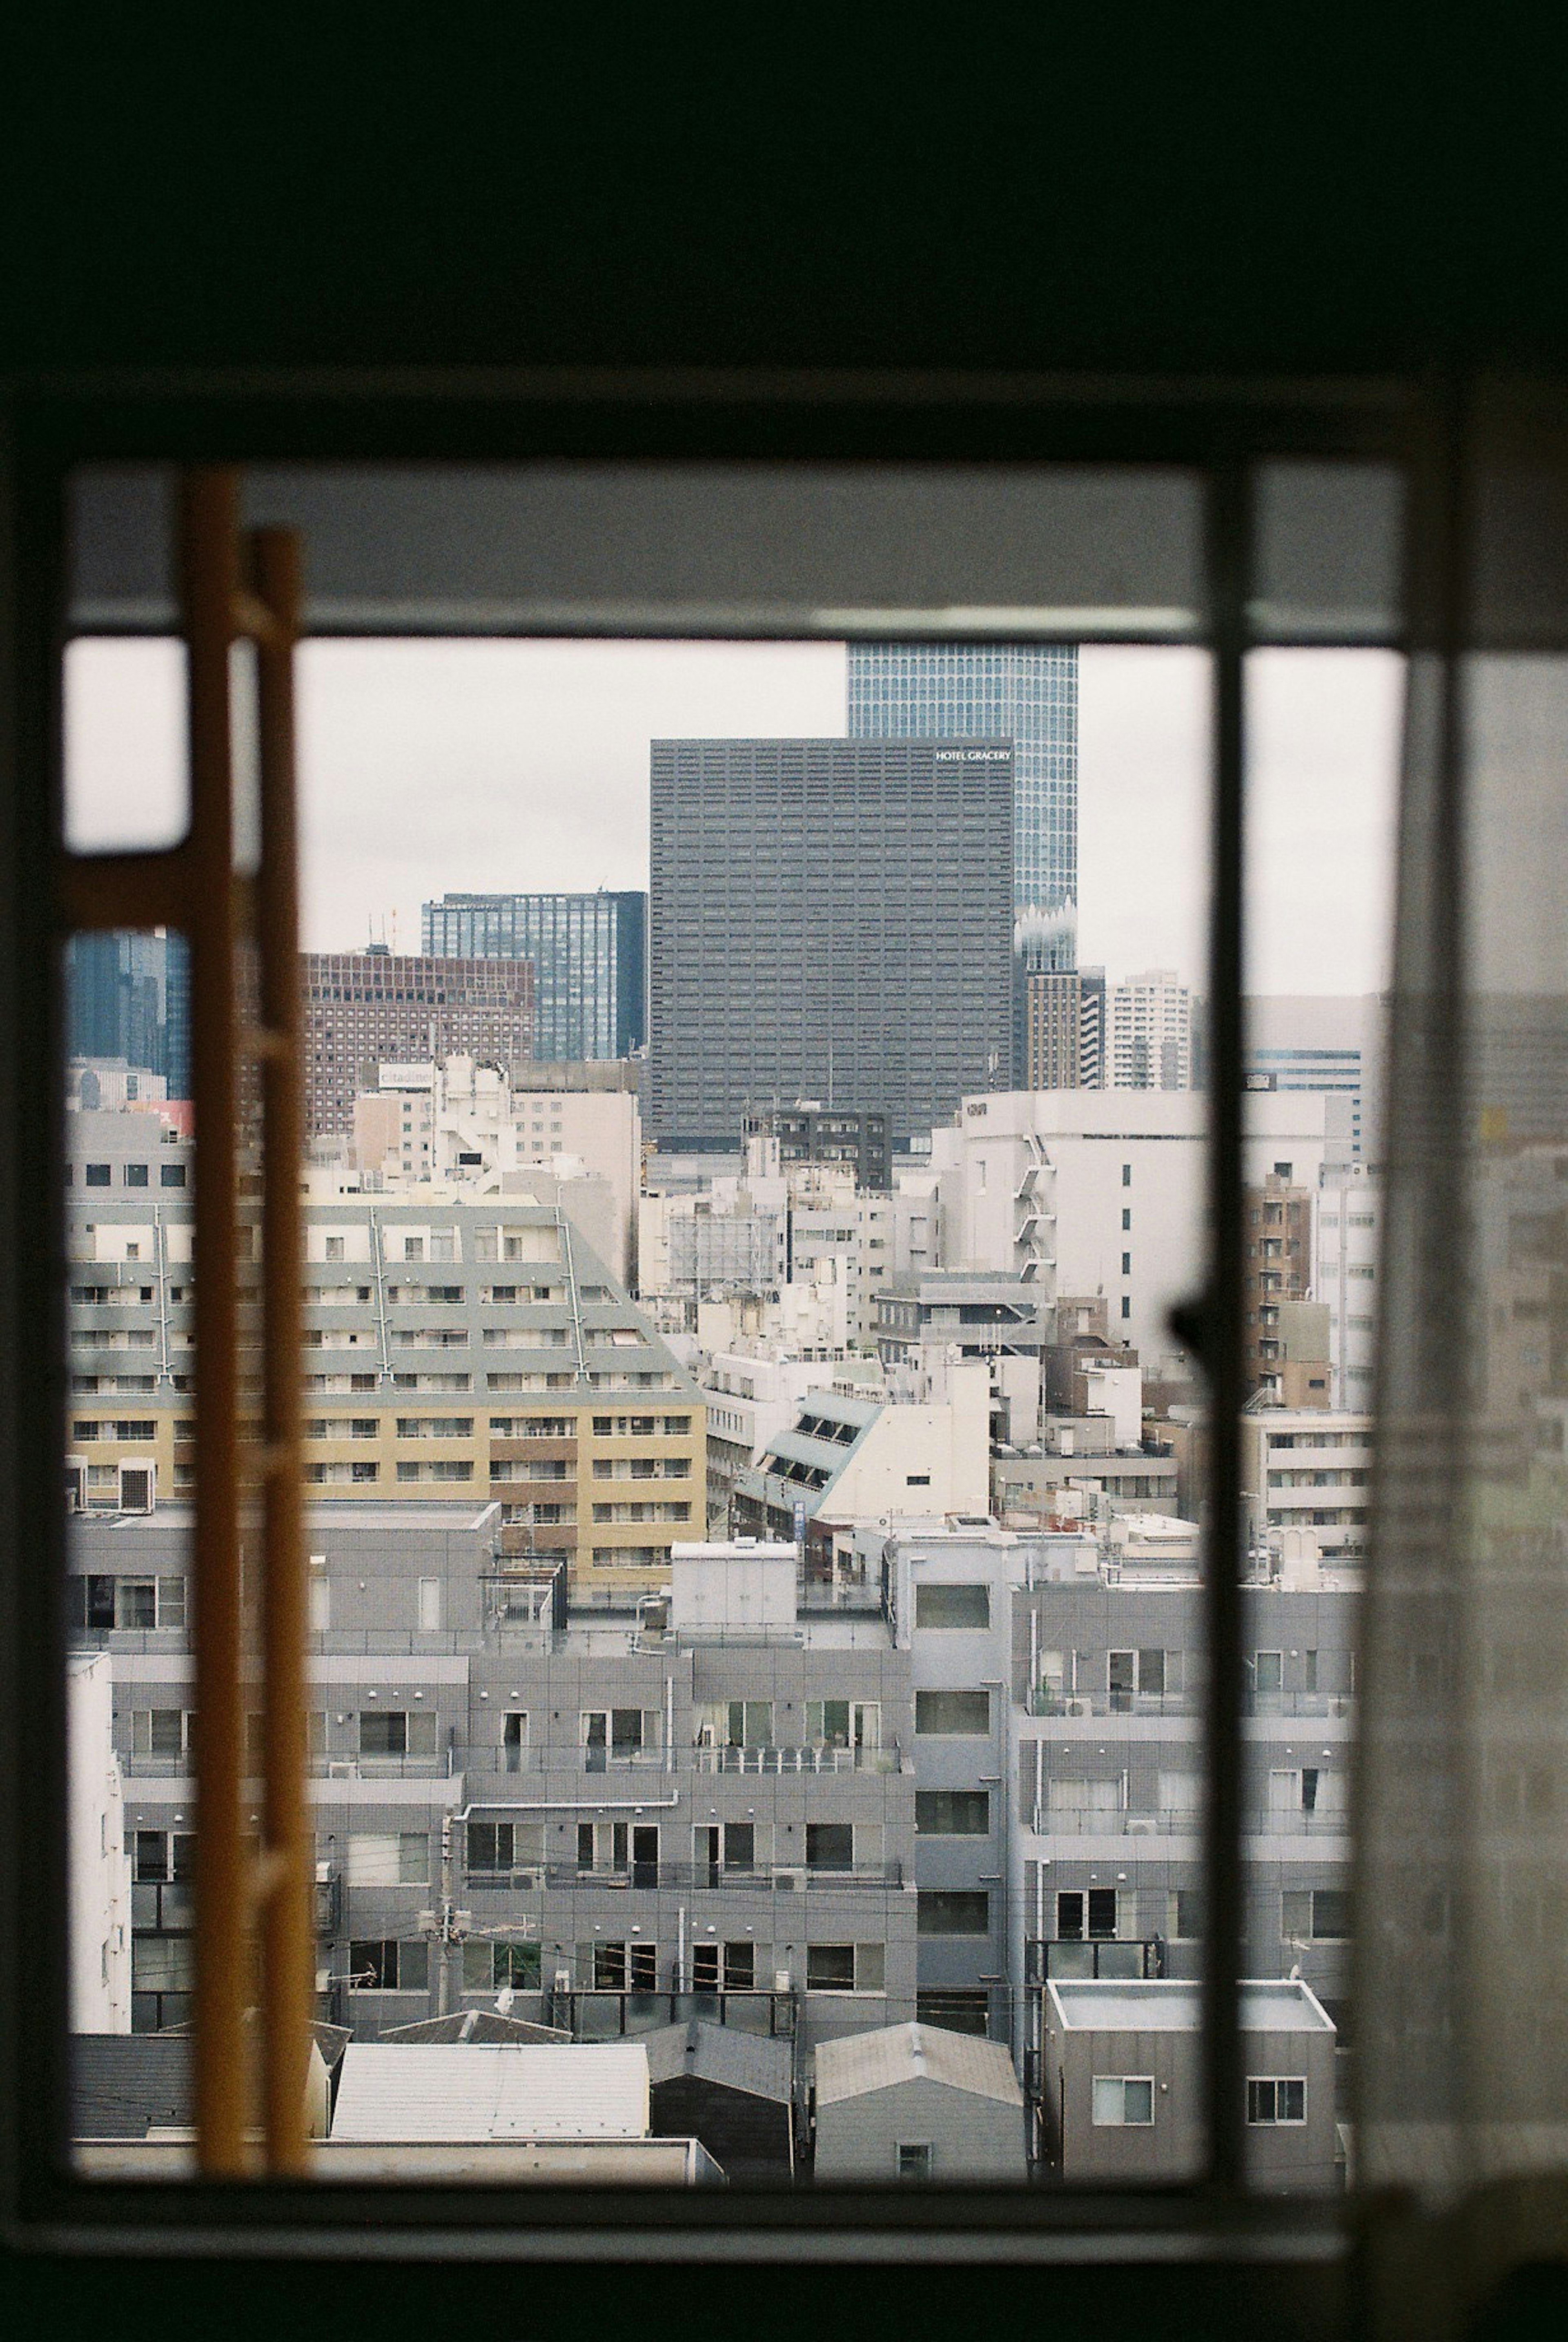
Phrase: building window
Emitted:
{"points": [[913, 2159], [830, 1845], [938, 1608], [845, 1967], [1123, 2101], [943, 1911], [1277, 2100], [952, 1812], [958, 1711], [1086, 1914]]}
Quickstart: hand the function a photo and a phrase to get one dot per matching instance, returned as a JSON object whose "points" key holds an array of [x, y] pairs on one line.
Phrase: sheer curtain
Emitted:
{"points": [[1462, 1986]]}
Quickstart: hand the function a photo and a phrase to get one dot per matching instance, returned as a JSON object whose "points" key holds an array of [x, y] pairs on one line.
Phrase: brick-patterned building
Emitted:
{"points": [[363, 1009]]}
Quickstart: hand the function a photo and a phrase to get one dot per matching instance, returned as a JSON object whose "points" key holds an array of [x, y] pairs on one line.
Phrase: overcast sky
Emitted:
{"points": [[495, 766]]}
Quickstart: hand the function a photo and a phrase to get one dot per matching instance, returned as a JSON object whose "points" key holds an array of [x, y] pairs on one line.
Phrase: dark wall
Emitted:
{"points": [[748, 2138]]}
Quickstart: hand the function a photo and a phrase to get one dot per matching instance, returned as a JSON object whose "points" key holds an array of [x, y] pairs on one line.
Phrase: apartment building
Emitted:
{"points": [[1306, 1472], [449, 1344], [1107, 1672], [1151, 1033], [1277, 1269], [591, 1811], [1347, 1242]]}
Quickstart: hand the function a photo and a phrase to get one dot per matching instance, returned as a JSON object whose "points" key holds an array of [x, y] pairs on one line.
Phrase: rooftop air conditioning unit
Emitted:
{"points": [[1077, 1708], [1142, 1826], [791, 1882], [527, 1882]]}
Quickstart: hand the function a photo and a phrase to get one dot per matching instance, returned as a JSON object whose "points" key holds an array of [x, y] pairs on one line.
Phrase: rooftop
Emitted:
{"points": [[862, 2061], [412, 2092], [1175, 2005]]}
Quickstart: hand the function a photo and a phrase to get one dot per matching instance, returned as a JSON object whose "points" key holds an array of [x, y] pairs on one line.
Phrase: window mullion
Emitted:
{"points": [[1223, 1333]]}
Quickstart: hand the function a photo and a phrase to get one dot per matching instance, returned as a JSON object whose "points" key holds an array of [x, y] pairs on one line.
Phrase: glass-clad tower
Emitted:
{"points": [[1025, 692], [590, 962]]}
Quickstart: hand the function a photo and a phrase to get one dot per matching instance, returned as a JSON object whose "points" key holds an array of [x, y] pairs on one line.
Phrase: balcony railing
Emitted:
{"points": [[604, 2015], [815, 1758], [686, 1877], [1077, 1958], [1185, 1822], [1116, 1703]]}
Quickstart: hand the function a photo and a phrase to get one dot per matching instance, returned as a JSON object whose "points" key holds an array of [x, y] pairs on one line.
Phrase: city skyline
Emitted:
{"points": [[555, 736]]}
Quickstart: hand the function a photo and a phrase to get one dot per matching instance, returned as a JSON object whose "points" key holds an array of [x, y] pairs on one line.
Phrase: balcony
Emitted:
{"points": [[813, 1759], [441, 1766], [1061, 1958], [607, 2015], [685, 1877], [1116, 1703]]}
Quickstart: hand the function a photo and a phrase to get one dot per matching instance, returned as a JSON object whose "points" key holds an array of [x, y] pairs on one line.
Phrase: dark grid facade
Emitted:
{"points": [[829, 919], [363, 1009], [590, 962]]}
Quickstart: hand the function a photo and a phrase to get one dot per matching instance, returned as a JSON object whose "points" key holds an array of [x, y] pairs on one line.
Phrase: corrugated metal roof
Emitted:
{"points": [[1174, 2005], [418, 2091], [751, 2062], [123, 2083], [863, 2062]]}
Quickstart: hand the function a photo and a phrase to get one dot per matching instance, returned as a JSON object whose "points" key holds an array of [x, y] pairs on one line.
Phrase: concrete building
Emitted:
{"points": [[849, 1458], [809, 1132], [449, 1344], [587, 1816], [1024, 692], [455, 1123], [1151, 1033], [1103, 1193], [1304, 1469], [916, 2103], [1106, 1870], [923, 1322], [589, 956], [857, 896], [1121, 2101], [367, 1009], [1347, 1245], [100, 1870], [1277, 1269]]}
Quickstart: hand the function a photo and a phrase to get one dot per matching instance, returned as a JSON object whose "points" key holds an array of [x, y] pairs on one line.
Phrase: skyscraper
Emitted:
{"points": [[590, 962], [1150, 1039], [828, 919], [1025, 692], [129, 996]]}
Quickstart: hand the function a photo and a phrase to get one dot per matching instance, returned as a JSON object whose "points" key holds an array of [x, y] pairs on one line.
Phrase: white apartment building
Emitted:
{"points": [[1151, 1035], [100, 1868], [1347, 1235], [1103, 1191], [460, 1123], [1306, 1472]]}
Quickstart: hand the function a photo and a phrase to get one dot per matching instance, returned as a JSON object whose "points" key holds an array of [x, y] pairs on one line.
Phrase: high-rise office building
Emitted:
{"points": [[129, 996], [366, 1009], [1063, 1025], [590, 962], [1024, 692], [828, 919]]}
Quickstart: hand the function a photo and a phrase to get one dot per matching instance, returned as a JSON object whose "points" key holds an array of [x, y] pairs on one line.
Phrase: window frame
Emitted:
{"points": [[1214, 428]]}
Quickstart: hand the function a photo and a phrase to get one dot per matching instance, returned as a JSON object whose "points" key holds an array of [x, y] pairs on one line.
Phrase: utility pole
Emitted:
{"points": [[445, 1926]]}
